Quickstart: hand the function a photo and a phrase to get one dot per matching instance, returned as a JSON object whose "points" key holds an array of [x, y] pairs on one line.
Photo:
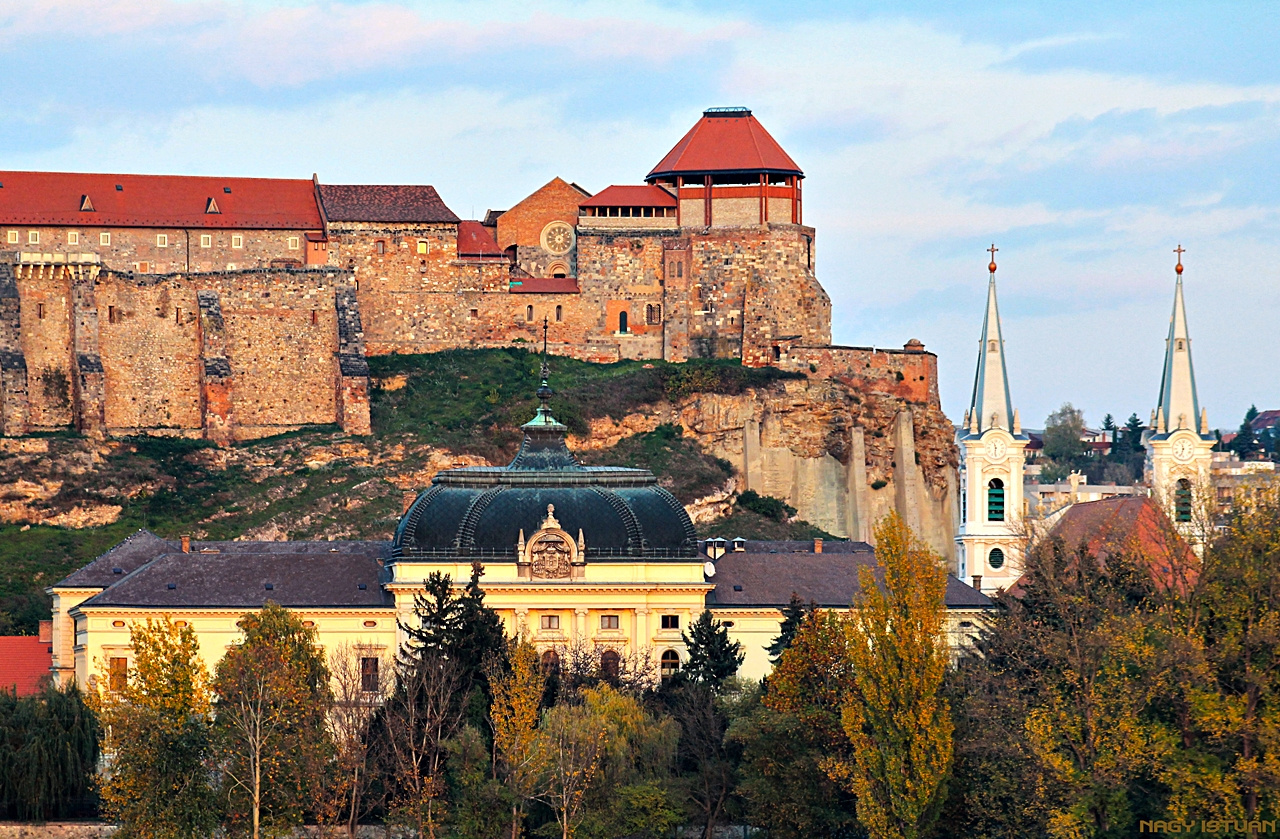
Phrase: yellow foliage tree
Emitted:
{"points": [[158, 782], [897, 721], [517, 694]]}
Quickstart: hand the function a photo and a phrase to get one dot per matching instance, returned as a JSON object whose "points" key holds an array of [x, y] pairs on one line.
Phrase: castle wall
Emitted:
{"points": [[137, 249]]}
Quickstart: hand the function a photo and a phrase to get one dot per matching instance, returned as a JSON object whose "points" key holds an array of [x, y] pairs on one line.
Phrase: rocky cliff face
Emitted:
{"points": [[839, 452]]}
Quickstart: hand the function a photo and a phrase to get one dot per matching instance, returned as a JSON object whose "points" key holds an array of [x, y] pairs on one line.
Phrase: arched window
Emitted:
{"points": [[610, 664], [1182, 500], [528, 314], [622, 322], [670, 663], [550, 663], [995, 500], [996, 558], [559, 314]]}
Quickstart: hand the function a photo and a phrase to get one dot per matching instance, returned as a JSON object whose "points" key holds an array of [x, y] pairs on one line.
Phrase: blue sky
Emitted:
{"points": [[1085, 144]]}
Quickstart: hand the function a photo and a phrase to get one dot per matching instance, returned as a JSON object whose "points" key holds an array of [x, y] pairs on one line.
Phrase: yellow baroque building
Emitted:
{"points": [[597, 560]]}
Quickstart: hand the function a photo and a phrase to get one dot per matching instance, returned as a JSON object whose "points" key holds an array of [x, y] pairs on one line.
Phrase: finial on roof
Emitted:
{"points": [[1179, 250], [992, 250]]}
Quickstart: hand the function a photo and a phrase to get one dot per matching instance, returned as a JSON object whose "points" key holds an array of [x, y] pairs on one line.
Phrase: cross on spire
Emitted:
{"points": [[1179, 250], [992, 250]]}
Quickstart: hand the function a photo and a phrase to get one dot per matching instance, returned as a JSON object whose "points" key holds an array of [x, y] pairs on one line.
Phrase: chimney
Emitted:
{"points": [[817, 546], [977, 581], [46, 632], [186, 544]]}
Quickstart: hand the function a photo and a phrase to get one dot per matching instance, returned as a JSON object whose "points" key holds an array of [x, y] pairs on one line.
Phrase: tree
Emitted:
{"points": [[517, 696], [571, 743], [48, 754], [358, 692], [158, 725], [1063, 447], [897, 721], [1246, 442], [708, 761], [479, 803], [713, 658], [271, 696], [792, 616], [1133, 429]]}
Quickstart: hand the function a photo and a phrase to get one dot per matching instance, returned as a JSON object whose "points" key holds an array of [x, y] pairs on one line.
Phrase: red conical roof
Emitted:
{"points": [[726, 140]]}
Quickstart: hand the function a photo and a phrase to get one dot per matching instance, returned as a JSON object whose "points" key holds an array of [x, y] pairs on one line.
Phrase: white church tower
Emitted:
{"points": [[1179, 445], [990, 537]]}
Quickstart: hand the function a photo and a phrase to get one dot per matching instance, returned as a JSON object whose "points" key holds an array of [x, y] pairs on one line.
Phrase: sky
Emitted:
{"points": [[1086, 144]]}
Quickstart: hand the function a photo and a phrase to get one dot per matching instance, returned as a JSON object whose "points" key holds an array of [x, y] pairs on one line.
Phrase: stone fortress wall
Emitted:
{"points": [[235, 332]]}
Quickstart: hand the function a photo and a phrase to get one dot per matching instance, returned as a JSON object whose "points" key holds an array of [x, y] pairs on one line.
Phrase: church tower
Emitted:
{"points": [[1179, 445], [989, 539]]}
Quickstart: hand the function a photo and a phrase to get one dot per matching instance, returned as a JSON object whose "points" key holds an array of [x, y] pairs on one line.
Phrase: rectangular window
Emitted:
{"points": [[670, 621], [104, 238], [475, 313], [73, 237], [33, 237], [380, 246], [206, 240], [118, 674], [162, 240], [40, 311], [237, 241], [13, 237], [369, 674], [111, 314], [294, 243], [143, 267], [550, 621], [422, 247], [608, 621]]}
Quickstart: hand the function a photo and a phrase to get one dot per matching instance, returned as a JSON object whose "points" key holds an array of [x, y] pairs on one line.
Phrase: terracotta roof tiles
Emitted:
{"points": [[24, 663], [385, 202], [726, 140]]}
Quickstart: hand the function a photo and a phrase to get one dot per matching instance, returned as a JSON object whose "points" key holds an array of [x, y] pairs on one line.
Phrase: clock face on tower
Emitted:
{"points": [[996, 449], [1183, 449]]}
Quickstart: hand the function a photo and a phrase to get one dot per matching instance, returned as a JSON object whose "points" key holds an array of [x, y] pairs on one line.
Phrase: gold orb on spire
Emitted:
{"points": [[992, 250], [1179, 250]]}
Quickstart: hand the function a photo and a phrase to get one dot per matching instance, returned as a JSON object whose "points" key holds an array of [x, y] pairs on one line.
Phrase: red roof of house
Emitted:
{"points": [[726, 140], [24, 663], [545, 285], [646, 195], [474, 239], [407, 203], [94, 200], [1134, 525], [1266, 419]]}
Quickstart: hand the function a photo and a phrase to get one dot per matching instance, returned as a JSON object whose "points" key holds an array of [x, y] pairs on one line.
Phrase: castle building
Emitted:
{"points": [[600, 563], [990, 537], [1179, 445]]}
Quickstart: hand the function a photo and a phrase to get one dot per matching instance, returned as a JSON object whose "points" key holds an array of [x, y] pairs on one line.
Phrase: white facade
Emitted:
{"points": [[990, 537]]}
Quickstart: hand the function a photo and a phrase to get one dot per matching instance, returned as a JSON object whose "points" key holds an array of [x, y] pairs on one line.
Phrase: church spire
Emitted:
{"points": [[991, 406], [1178, 406]]}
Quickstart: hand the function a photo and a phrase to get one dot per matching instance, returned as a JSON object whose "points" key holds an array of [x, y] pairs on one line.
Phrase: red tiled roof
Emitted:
{"points": [[647, 195], [1133, 525], [474, 239], [1266, 419], [726, 141], [385, 202], [24, 663], [56, 198], [545, 285]]}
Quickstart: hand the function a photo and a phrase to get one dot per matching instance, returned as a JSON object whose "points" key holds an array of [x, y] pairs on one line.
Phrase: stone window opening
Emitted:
{"points": [[550, 623], [380, 246], [475, 313], [112, 315], [610, 664], [608, 621], [177, 316], [777, 353], [528, 314], [1180, 347], [550, 663], [995, 500], [237, 241], [104, 238], [670, 622], [206, 240], [117, 674], [40, 311], [33, 237], [680, 270], [369, 674], [622, 323], [1182, 501], [653, 314], [13, 237], [73, 238], [559, 314], [143, 267], [162, 240], [669, 664], [315, 317], [422, 246], [996, 558], [294, 243]]}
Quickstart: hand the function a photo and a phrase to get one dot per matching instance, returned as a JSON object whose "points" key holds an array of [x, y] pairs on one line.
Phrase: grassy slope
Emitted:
{"points": [[468, 401]]}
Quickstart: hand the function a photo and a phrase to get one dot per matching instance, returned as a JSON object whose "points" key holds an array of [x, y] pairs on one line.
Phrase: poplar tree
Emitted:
{"points": [[159, 783], [896, 718], [517, 696]]}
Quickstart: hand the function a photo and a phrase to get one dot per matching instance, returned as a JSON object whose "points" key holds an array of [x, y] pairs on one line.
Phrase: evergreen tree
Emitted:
{"points": [[793, 614], [713, 658], [159, 738], [1133, 429], [1246, 442]]}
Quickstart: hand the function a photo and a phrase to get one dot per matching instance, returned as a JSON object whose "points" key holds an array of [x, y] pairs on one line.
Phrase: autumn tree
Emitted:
{"points": [[713, 658], [361, 680], [159, 737], [571, 743], [271, 695], [517, 695], [897, 721]]}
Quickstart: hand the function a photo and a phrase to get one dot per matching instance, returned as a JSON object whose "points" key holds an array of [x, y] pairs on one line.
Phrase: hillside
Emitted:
{"points": [[68, 498]]}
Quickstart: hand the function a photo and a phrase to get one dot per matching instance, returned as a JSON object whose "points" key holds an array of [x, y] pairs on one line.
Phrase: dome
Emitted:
{"points": [[599, 511]]}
